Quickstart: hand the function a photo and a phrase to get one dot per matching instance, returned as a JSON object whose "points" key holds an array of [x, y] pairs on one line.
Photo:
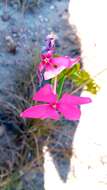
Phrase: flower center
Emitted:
{"points": [[55, 65], [46, 60], [54, 106]]}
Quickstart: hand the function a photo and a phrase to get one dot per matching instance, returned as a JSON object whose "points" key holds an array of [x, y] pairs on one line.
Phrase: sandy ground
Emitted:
{"points": [[28, 31], [88, 167]]}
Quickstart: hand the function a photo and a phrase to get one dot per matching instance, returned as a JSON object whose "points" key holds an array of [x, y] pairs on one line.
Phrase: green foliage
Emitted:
{"points": [[60, 86], [81, 78], [37, 55], [56, 55], [14, 182], [92, 87], [68, 72]]}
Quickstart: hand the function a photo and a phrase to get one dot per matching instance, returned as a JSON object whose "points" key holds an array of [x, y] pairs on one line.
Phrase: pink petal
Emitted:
{"points": [[58, 64], [45, 94], [69, 112], [47, 55], [53, 72], [74, 100], [40, 111], [61, 61], [68, 106], [73, 61], [65, 61]]}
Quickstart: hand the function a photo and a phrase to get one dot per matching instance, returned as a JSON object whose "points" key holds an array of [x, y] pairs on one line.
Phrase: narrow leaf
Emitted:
{"points": [[60, 86]]}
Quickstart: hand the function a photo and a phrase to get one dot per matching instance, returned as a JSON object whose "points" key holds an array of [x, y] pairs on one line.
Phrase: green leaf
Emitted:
{"points": [[37, 55], [92, 87], [74, 70], [83, 79], [60, 86], [69, 72], [56, 55], [52, 81]]}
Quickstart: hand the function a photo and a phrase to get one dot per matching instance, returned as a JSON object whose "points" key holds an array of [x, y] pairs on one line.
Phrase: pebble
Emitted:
{"points": [[19, 44], [14, 30], [33, 38], [46, 19], [10, 44], [41, 18], [52, 7], [5, 17], [14, 35]]}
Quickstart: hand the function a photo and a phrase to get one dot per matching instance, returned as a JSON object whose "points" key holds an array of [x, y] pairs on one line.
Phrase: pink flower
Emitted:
{"points": [[45, 61], [54, 108], [58, 64], [55, 65]]}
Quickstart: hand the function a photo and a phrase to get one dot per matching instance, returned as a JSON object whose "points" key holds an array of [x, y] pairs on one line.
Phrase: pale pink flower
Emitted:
{"points": [[58, 64], [55, 65], [46, 59], [54, 108]]}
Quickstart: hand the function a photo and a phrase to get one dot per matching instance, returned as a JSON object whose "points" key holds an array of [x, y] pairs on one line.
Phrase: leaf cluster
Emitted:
{"points": [[80, 77]]}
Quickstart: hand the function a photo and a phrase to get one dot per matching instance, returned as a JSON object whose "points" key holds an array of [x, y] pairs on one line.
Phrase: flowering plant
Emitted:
{"points": [[55, 70]]}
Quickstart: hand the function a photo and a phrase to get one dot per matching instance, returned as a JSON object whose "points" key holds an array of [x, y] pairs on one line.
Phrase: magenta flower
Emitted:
{"points": [[58, 64], [46, 59], [54, 108], [55, 65]]}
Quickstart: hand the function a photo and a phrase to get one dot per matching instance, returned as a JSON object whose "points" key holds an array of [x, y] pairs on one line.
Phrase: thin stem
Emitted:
{"points": [[55, 85], [80, 87]]}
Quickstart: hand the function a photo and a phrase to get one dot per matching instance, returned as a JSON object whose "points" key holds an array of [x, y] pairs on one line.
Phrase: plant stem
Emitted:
{"points": [[55, 85]]}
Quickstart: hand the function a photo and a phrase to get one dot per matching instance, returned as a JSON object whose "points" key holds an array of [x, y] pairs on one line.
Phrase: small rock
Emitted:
{"points": [[14, 30], [5, 17], [46, 19], [41, 18], [52, 7], [10, 44], [33, 38], [14, 35], [19, 44]]}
